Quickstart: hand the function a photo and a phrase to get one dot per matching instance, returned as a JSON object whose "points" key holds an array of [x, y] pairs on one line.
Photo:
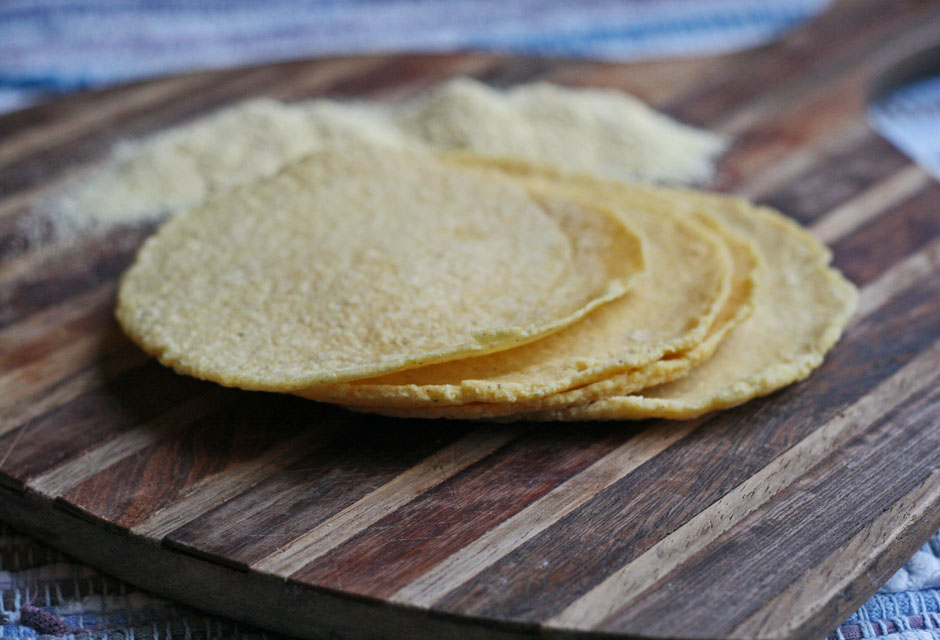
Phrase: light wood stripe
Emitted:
{"points": [[923, 264], [397, 492], [769, 104], [871, 203], [676, 549], [474, 64], [794, 164], [51, 319], [73, 385], [228, 483], [109, 108], [31, 197], [510, 534], [60, 479], [73, 356], [18, 201], [327, 71], [57, 259], [106, 108], [26, 265], [826, 581], [41, 198], [645, 80]]}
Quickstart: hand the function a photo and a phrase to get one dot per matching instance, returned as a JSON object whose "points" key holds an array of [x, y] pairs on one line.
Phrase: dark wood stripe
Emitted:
{"points": [[626, 519], [400, 547], [870, 204], [192, 95], [13, 356], [394, 494], [903, 230], [281, 508], [68, 430], [56, 347], [17, 127], [53, 318], [30, 379], [68, 386], [98, 110], [882, 548], [58, 274], [835, 178], [406, 76], [773, 535], [210, 490], [642, 79], [55, 482], [506, 72], [241, 430], [757, 184]]}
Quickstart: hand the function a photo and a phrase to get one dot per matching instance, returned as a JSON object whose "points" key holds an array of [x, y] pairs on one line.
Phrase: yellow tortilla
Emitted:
{"points": [[669, 310], [747, 270], [801, 309], [360, 262]]}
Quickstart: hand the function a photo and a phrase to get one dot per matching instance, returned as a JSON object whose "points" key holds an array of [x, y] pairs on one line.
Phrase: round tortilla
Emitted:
{"points": [[669, 310], [802, 307], [355, 263]]}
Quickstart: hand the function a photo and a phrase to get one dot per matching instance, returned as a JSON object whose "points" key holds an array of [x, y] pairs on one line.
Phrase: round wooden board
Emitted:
{"points": [[772, 520]]}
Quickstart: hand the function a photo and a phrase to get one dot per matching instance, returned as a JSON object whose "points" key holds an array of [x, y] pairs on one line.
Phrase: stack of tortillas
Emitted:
{"points": [[464, 286]]}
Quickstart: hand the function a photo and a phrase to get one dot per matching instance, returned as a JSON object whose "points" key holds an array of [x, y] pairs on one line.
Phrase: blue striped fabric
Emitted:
{"points": [[910, 118], [906, 607], [54, 46], [49, 47]]}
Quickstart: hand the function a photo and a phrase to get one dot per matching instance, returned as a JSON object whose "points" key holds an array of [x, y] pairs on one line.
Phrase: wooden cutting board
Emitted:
{"points": [[773, 520]]}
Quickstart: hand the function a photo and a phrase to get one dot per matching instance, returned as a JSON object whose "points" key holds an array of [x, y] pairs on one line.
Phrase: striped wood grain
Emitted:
{"points": [[301, 517]]}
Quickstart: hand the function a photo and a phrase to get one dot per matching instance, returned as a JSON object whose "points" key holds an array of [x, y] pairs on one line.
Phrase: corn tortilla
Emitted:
{"points": [[360, 262], [669, 310]]}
